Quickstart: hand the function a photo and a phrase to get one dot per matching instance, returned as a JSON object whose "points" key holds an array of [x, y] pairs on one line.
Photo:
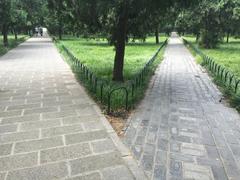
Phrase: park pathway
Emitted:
{"points": [[181, 130], [49, 127]]}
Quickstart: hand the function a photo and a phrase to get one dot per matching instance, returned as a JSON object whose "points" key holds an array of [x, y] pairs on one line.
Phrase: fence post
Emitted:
{"points": [[236, 85], [226, 73], [95, 85]]}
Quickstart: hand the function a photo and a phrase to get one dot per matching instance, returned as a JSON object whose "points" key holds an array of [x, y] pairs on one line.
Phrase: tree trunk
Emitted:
{"points": [[15, 34], [5, 35], [60, 29], [197, 37], [157, 35], [60, 19], [120, 43], [228, 34]]}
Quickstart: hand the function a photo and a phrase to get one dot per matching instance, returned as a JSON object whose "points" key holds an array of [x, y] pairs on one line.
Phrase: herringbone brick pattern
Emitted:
{"points": [[180, 130]]}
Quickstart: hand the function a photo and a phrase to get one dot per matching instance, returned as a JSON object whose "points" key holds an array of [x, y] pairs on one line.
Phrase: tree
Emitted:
{"points": [[18, 17], [229, 16], [117, 20], [58, 12], [120, 34], [202, 19], [5, 14], [157, 12]]}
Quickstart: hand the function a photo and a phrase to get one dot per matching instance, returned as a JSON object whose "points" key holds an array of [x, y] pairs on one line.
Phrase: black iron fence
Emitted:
{"points": [[125, 94], [230, 80]]}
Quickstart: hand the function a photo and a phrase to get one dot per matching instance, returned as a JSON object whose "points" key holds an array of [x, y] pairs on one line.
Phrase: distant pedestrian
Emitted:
{"points": [[36, 31], [41, 31]]}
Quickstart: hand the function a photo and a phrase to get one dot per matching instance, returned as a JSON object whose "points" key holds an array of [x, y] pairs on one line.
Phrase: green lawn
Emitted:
{"points": [[99, 56], [12, 42], [227, 54]]}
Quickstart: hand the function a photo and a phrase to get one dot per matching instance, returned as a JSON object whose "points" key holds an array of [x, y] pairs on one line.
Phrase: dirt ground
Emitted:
{"points": [[118, 123]]}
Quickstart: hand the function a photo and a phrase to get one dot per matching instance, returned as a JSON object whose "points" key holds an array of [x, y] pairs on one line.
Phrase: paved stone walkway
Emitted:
{"points": [[180, 130], [49, 127]]}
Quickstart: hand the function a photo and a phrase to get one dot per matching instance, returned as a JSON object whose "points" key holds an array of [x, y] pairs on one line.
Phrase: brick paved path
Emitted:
{"points": [[49, 127], [180, 130]]}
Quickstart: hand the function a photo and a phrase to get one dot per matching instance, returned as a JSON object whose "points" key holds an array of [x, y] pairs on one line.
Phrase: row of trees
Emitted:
{"points": [[211, 21], [17, 16], [118, 20]]}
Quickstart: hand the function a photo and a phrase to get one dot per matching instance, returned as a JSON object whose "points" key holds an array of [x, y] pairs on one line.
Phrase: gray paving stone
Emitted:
{"points": [[92, 176], [140, 140], [151, 137], [18, 119], [142, 131], [193, 171], [193, 149], [40, 110], [219, 138], [103, 146], [61, 114], [144, 122], [182, 157], [78, 119], [5, 149], [219, 173], [92, 163], [231, 139], [236, 150], [147, 162], [45, 172], [161, 157], [19, 136], [175, 147], [57, 103], [181, 138], [207, 161], [18, 161], [11, 113], [66, 152], [8, 128], [73, 106], [85, 136], [86, 111], [62, 130], [175, 168], [2, 176], [226, 154], [232, 170], [159, 172], [207, 138], [163, 144], [137, 151], [130, 134], [39, 124], [24, 106], [94, 125], [117, 173], [35, 145]]}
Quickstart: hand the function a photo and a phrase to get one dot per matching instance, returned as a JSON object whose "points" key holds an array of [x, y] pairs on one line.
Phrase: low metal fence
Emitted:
{"points": [[229, 79], [124, 93]]}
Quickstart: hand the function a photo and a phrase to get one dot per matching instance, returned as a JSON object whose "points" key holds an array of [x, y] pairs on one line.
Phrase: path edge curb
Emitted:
{"points": [[136, 170]]}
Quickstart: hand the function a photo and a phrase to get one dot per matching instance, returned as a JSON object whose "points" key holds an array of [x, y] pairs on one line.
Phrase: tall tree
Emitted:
{"points": [[5, 14], [18, 17], [58, 12], [120, 34], [228, 16]]}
